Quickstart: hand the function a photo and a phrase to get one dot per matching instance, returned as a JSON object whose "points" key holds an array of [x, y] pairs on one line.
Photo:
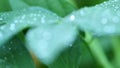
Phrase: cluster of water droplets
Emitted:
{"points": [[41, 38], [4, 64], [13, 54], [50, 40], [101, 19], [36, 15], [6, 55], [18, 20]]}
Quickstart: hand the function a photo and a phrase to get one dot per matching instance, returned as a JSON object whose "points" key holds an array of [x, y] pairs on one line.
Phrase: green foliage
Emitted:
{"points": [[84, 3], [61, 7], [59, 34], [104, 24], [14, 55], [4, 6]]}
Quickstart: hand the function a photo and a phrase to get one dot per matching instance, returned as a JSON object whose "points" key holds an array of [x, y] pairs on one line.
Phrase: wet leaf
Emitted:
{"points": [[17, 21], [14, 55], [48, 41], [102, 19]]}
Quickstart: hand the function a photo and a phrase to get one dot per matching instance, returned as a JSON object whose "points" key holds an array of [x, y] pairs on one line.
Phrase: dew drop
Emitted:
{"points": [[116, 7], [71, 45], [38, 15], [1, 19], [2, 62], [34, 18], [104, 21], [109, 29], [115, 19], [115, 0], [82, 12], [1, 34], [118, 13], [23, 17], [16, 21], [12, 27], [9, 48], [5, 58], [20, 21], [7, 66], [11, 42], [31, 15], [2, 27], [72, 17], [43, 19]]}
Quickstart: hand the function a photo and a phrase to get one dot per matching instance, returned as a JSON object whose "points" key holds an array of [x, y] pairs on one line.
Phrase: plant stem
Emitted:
{"points": [[116, 49], [98, 53]]}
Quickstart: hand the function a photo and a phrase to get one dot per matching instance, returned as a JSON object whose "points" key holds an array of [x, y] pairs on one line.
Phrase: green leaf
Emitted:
{"points": [[107, 44], [87, 60], [61, 7], [70, 58], [48, 41], [14, 55], [84, 3], [102, 19], [17, 21], [18, 4], [4, 6]]}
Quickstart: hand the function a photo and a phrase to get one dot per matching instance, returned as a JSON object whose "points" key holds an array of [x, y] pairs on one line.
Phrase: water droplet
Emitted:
{"points": [[115, 0], [9, 48], [104, 20], [72, 17], [23, 17], [20, 21], [1, 19], [1, 34], [5, 58], [7, 66], [2, 27], [115, 19], [38, 15], [34, 18], [118, 13], [82, 12], [116, 7], [71, 45], [16, 21], [11, 42], [109, 29], [12, 27], [2, 61], [33, 15], [43, 19]]}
